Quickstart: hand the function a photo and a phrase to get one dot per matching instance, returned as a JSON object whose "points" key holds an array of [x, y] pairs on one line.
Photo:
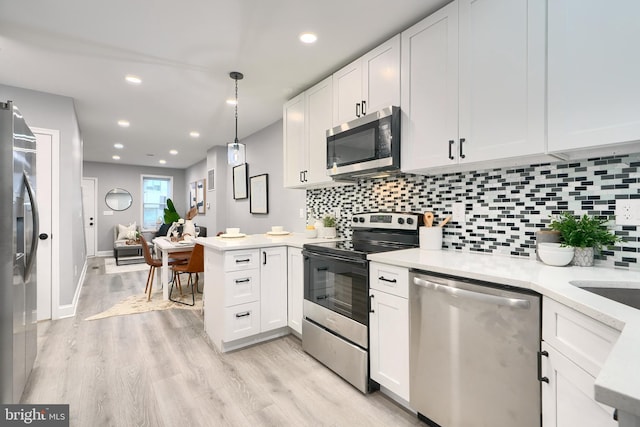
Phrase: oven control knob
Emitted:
{"points": [[400, 220], [355, 219], [361, 219], [409, 221]]}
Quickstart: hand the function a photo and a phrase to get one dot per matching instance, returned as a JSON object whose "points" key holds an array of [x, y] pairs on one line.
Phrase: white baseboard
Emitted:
{"points": [[69, 310], [104, 253]]}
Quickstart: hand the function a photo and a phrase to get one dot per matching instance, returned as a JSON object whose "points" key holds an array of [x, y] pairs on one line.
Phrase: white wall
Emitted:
{"points": [[129, 178], [45, 110], [264, 155]]}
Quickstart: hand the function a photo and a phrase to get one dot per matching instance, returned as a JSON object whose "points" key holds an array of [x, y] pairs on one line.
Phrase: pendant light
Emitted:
{"points": [[236, 151]]}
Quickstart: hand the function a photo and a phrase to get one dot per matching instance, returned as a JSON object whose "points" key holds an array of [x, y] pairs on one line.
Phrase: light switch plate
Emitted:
{"points": [[628, 212], [458, 213]]}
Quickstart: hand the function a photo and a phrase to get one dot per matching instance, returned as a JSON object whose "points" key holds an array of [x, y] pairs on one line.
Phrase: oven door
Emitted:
{"points": [[338, 284]]}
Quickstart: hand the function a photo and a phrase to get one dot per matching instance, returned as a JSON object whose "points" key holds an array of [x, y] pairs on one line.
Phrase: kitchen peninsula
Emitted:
{"points": [[253, 287]]}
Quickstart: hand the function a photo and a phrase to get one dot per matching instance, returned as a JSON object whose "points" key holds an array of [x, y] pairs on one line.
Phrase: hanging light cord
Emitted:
{"points": [[236, 140]]}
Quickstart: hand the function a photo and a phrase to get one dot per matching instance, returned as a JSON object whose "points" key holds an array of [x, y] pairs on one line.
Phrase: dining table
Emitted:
{"points": [[165, 247]]}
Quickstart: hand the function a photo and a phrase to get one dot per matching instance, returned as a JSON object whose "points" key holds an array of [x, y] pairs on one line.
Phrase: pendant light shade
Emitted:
{"points": [[236, 152]]}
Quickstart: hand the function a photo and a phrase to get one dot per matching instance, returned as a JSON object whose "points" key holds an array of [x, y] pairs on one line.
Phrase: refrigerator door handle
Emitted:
{"points": [[463, 293], [36, 227]]}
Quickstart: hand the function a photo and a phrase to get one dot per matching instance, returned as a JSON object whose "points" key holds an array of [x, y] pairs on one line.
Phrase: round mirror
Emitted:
{"points": [[118, 199]]}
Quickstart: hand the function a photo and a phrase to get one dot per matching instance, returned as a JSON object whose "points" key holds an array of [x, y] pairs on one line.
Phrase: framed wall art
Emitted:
{"points": [[240, 182], [200, 195], [192, 194], [259, 191]]}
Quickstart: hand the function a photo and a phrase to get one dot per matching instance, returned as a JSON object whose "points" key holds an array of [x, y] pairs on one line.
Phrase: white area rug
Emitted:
{"points": [[110, 267], [138, 304]]}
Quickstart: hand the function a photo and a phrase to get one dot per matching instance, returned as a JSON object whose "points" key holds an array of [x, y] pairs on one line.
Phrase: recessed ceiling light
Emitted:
{"points": [[194, 134], [308, 38], [162, 162], [123, 123], [231, 101], [134, 80], [116, 157], [118, 146], [173, 152]]}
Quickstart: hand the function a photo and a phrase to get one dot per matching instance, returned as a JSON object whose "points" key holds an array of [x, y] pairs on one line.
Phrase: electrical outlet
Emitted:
{"points": [[301, 214], [458, 212], [336, 212], [628, 212]]}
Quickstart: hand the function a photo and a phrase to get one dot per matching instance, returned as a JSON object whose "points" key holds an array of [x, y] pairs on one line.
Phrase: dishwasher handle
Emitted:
{"points": [[464, 293]]}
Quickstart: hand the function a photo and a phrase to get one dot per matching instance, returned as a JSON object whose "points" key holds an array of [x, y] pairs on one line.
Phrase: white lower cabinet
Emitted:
{"points": [[245, 295], [574, 349], [295, 288], [389, 328]]}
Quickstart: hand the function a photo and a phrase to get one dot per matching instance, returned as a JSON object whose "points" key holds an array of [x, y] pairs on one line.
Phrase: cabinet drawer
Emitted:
{"points": [[241, 321], [241, 260], [389, 278], [241, 287], [581, 338]]}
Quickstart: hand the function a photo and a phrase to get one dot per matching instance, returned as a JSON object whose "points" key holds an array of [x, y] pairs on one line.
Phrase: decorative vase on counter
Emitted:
{"points": [[546, 236], [329, 232], [583, 257]]}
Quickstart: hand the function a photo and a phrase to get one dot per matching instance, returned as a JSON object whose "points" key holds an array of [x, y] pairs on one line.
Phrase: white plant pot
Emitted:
{"points": [[329, 232], [583, 257]]}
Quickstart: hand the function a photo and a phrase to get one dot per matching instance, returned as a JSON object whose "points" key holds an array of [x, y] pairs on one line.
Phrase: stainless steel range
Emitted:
{"points": [[335, 328]]}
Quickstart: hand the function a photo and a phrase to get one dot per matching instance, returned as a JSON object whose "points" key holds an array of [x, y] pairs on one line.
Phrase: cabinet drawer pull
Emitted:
{"points": [[540, 377], [243, 280], [245, 314], [238, 261], [384, 279]]}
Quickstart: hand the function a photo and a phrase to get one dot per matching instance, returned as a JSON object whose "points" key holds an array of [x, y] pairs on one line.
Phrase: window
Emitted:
{"points": [[155, 192]]}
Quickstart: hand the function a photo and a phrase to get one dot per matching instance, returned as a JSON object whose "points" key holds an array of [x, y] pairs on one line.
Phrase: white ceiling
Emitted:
{"points": [[184, 51]]}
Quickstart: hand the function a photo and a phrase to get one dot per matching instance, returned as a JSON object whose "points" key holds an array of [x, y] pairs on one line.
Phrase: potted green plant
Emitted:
{"points": [[585, 234], [329, 223]]}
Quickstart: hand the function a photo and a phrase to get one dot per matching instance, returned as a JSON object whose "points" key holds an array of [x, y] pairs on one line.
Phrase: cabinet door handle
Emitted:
{"points": [[264, 258], [451, 142], [243, 280], [371, 303], [364, 107], [540, 377], [384, 279], [357, 109], [245, 314], [304, 175], [300, 176], [615, 415], [462, 156], [238, 261]]}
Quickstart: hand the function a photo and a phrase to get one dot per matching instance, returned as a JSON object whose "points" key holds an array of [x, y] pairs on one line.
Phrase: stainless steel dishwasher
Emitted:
{"points": [[473, 353]]}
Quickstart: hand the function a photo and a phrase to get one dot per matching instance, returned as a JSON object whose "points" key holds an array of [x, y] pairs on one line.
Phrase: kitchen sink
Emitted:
{"points": [[627, 293]]}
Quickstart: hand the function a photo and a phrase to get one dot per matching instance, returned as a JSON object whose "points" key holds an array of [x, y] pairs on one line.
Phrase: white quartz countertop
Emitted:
{"points": [[253, 241], [618, 384]]}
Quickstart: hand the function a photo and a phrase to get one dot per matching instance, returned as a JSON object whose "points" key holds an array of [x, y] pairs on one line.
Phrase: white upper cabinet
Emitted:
{"points": [[593, 73], [294, 141], [473, 86], [430, 91], [306, 119], [368, 84]]}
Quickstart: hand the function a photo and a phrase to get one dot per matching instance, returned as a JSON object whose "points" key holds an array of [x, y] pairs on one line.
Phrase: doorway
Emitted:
{"points": [[89, 208], [47, 193]]}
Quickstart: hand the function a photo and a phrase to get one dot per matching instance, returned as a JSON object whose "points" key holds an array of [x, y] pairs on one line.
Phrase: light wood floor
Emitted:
{"points": [[158, 369]]}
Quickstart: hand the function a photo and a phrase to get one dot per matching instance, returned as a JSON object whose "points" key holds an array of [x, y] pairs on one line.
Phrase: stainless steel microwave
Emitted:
{"points": [[365, 147]]}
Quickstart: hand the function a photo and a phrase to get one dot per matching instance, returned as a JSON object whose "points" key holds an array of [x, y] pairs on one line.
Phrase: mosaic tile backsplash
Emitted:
{"points": [[504, 207]]}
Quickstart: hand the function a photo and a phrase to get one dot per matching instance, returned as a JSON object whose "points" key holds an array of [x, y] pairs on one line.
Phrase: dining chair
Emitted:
{"points": [[195, 265], [154, 263]]}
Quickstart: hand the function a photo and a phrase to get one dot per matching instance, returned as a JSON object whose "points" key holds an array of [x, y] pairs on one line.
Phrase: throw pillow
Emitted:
{"points": [[125, 231]]}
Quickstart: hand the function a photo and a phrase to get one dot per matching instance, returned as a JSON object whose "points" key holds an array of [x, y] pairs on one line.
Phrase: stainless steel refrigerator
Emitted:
{"points": [[18, 245]]}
